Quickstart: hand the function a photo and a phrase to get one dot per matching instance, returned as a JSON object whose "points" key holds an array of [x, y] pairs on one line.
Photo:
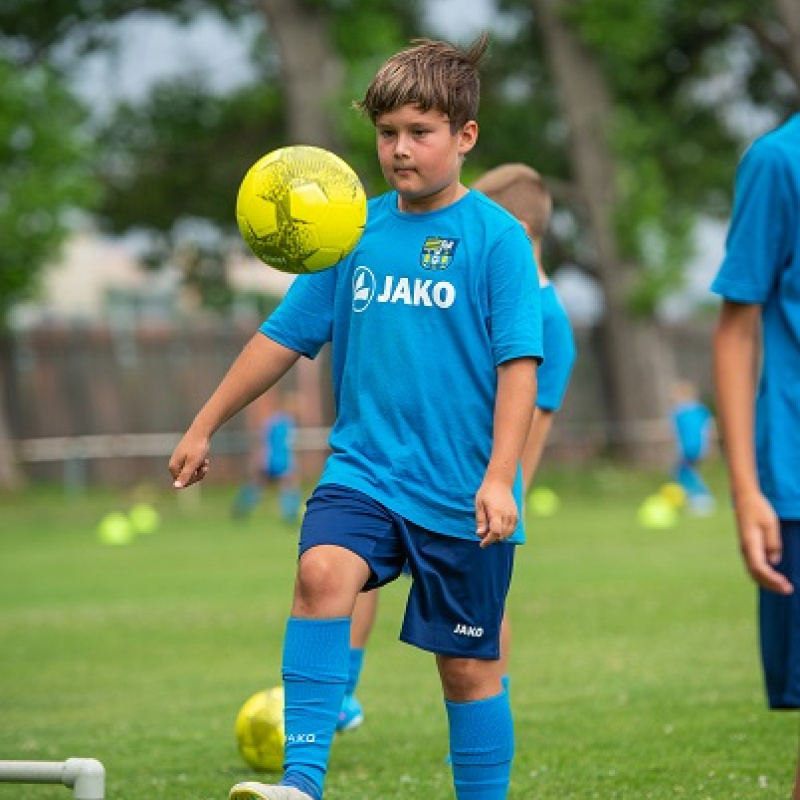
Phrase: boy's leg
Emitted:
{"points": [[481, 727], [459, 619], [315, 665], [697, 492], [289, 497], [779, 630], [351, 715], [315, 657], [505, 648], [315, 654], [246, 500]]}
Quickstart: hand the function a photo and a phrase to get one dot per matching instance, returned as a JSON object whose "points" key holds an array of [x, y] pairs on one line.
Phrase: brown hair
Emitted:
{"points": [[522, 192], [429, 75]]}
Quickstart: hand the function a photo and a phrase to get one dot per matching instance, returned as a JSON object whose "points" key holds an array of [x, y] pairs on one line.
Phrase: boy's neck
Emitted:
{"points": [[444, 197]]}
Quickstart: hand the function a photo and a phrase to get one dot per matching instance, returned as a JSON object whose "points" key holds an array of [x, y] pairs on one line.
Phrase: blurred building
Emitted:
{"points": [[100, 279]]}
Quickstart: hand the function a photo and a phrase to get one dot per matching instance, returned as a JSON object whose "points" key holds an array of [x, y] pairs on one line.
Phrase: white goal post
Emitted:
{"points": [[85, 776]]}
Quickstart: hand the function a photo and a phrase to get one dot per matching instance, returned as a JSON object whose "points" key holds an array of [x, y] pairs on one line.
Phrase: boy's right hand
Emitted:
{"points": [[760, 540], [189, 462]]}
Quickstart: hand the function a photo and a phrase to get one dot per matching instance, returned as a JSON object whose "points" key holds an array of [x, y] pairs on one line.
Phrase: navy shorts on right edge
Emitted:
{"points": [[779, 624]]}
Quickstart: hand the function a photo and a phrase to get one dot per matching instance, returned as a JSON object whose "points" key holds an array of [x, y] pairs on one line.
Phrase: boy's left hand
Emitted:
{"points": [[495, 512]]}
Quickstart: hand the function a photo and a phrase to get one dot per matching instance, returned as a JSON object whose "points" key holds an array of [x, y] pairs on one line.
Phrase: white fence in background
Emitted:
{"points": [[75, 451]]}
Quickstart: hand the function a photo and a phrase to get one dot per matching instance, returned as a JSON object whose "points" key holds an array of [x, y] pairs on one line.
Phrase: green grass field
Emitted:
{"points": [[634, 675]]}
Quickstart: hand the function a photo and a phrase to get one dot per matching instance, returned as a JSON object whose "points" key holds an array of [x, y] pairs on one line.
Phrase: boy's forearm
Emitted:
{"points": [[735, 355], [541, 423], [516, 397], [258, 367]]}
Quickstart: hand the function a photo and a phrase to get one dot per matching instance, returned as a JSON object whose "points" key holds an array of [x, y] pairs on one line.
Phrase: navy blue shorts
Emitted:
{"points": [[458, 589], [779, 624]]}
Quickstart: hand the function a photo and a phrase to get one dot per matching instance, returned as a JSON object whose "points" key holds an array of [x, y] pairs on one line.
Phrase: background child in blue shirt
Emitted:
{"points": [[693, 425], [759, 324], [520, 190], [276, 463], [435, 326]]}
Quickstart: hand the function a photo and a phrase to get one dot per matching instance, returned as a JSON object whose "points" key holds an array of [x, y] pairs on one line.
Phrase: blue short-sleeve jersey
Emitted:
{"points": [[559, 352], [762, 266], [420, 315]]}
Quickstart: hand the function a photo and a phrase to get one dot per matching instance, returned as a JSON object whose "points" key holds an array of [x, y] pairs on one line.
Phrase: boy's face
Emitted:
{"points": [[421, 158]]}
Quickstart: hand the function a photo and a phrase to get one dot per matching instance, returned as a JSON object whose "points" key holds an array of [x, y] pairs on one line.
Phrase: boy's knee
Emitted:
{"points": [[328, 581], [468, 679]]}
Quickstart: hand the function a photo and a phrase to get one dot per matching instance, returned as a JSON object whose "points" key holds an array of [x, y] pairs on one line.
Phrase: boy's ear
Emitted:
{"points": [[467, 137]]}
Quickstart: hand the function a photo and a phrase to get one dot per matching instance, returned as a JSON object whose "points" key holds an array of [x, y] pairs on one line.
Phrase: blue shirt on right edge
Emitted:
{"points": [[762, 266]]}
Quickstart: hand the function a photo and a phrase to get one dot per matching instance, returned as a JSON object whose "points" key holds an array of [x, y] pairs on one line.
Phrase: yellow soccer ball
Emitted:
{"points": [[544, 502], [259, 730], [144, 518], [115, 529], [656, 512], [674, 494], [301, 209]]}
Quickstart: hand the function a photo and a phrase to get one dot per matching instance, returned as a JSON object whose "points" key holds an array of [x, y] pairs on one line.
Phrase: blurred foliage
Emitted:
{"points": [[678, 74], [181, 153], [46, 167], [671, 67]]}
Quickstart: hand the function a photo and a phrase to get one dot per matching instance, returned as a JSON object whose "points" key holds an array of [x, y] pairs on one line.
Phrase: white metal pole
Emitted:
{"points": [[85, 776]]}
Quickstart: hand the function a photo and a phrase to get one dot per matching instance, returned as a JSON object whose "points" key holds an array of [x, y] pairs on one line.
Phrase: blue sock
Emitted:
{"points": [[290, 504], [354, 670], [315, 658], [246, 500], [481, 747]]}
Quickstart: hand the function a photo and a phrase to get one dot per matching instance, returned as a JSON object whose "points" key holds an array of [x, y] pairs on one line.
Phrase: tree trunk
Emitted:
{"points": [[9, 475], [311, 69], [313, 76], [789, 13], [636, 368]]}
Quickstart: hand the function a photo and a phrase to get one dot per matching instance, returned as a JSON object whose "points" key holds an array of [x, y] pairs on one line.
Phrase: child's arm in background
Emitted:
{"points": [[534, 445]]}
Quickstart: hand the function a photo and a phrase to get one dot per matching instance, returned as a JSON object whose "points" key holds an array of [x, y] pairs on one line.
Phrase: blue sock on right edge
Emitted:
{"points": [[481, 747]]}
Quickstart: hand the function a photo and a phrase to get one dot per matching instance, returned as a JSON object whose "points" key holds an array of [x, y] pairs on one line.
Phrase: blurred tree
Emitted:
{"points": [[172, 166], [46, 174], [630, 111], [180, 155], [628, 107]]}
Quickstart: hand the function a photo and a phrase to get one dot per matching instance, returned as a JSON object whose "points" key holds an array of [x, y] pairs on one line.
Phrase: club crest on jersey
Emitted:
{"points": [[437, 252]]}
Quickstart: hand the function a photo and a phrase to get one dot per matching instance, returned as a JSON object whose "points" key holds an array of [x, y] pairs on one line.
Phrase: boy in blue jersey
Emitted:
{"points": [[276, 464], [435, 326], [760, 323], [520, 190]]}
